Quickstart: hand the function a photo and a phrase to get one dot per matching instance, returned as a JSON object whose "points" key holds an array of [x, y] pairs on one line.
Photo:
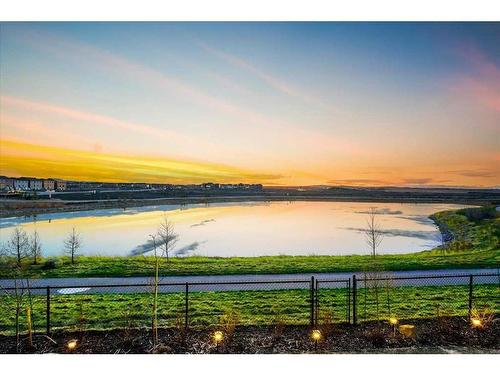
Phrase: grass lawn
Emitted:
{"points": [[475, 244], [104, 311]]}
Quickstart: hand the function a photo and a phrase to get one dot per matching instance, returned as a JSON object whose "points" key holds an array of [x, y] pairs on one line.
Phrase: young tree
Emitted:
{"points": [[17, 244], [156, 280], [72, 244], [35, 247], [168, 237], [373, 232]]}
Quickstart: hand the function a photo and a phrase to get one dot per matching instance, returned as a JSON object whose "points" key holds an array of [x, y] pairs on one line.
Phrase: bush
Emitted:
{"points": [[477, 214], [51, 264]]}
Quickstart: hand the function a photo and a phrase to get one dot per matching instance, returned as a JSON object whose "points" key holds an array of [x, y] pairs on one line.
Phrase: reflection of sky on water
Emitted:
{"points": [[13, 221], [424, 235], [240, 228]]}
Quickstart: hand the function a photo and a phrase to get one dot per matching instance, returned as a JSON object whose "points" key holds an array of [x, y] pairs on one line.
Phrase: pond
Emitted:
{"points": [[240, 229]]}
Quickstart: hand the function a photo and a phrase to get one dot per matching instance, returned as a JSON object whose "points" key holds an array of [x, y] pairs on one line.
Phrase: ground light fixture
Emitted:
{"points": [[476, 322], [72, 344], [218, 337], [407, 330], [393, 321], [316, 336]]}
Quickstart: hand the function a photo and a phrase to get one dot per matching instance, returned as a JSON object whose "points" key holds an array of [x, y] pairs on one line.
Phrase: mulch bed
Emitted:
{"points": [[443, 335]]}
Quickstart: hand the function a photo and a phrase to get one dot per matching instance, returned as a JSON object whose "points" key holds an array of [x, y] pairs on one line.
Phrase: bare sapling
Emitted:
{"points": [[154, 319], [373, 232], [72, 244], [373, 237], [167, 236], [18, 296], [35, 247], [29, 326], [18, 244]]}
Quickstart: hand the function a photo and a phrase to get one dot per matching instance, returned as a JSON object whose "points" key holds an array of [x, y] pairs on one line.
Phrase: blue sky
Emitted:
{"points": [[286, 103]]}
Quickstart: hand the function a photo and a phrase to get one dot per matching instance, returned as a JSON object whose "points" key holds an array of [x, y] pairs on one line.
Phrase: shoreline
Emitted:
{"points": [[20, 208]]}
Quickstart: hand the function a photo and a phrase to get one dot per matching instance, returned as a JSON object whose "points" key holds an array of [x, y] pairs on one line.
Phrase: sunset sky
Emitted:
{"points": [[413, 104]]}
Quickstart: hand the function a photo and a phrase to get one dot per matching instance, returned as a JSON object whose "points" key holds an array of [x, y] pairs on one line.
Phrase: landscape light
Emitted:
{"points": [[71, 344], [316, 335], [394, 322], [218, 337], [407, 330], [476, 322]]}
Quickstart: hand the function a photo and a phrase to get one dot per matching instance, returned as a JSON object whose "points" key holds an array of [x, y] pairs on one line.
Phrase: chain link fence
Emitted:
{"points": [[314, 301], [382, 296]]}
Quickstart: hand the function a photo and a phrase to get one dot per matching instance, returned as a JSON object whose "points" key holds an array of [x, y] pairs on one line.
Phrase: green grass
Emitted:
{"points": [[104, 311], [475, 244]]}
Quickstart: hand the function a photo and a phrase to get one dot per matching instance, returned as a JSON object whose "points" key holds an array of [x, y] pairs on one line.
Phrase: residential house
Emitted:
{"points": [[35, 184], [21, 184], [49, 184], [61, 185]]}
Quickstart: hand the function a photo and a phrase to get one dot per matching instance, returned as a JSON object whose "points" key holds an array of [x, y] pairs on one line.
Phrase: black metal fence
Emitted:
{"points": [[363, 297], [380, 297]]}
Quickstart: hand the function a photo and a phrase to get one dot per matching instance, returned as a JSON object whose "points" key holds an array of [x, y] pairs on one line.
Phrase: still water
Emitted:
{"points": [[240, 229]]}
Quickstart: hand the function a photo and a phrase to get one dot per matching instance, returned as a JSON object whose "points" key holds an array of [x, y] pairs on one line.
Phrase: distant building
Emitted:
{"points": [[210, 185], [61, 185], [35, 184], [21, 184], [49, 184], [6, 183]]}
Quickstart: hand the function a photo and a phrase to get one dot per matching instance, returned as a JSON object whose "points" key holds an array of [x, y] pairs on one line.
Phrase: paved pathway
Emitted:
{"points": [[251, 282]]}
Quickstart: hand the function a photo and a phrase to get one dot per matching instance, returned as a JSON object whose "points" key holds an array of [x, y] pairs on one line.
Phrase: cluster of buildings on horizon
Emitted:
{"points": [[31, 184], [22, 184]]}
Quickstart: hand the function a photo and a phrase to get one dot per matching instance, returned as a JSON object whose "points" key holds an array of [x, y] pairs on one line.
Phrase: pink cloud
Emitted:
{"points": [[483, 83], [112, 63]]}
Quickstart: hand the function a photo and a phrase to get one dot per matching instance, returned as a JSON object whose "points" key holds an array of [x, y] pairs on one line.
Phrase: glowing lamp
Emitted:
{"points": [[316, 335], [218, 337], [407, 330], [393, 321], [71, 344], [476, 322]]}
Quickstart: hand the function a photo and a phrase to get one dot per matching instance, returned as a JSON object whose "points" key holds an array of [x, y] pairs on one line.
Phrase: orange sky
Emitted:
{"points": [[188, 103]]}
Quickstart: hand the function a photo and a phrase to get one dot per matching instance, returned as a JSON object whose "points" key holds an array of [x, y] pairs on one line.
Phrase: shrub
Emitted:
{"points": [[51, 264], [477, 214]]}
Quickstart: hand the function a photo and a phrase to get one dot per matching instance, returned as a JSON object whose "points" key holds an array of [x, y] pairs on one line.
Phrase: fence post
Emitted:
{"points": [[354, 294], [48, 311], [348, 300], [471, 283], [186, 311], [312, 299], [316, 304]]}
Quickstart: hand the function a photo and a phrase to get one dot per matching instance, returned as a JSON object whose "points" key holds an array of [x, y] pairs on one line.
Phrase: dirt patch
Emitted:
{"points": [[450, 335]]}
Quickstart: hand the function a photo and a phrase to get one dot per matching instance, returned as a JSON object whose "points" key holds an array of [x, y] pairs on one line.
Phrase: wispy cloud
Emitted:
{"points": [[484, 173], [247, 121], [419, 181], [19, 158], [276, 83], [358, 181], [36, 106], [482, 84], [85, 54]]}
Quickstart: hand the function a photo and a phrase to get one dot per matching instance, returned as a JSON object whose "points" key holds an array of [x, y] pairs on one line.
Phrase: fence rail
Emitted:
{"points": [[372, 296]]}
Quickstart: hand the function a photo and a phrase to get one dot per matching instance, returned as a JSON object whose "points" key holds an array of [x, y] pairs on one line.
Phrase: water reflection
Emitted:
{"points": [[240, 228]]}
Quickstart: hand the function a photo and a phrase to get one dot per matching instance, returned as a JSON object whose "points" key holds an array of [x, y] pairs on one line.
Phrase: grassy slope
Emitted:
{"points": [[104, 311], [475, 244]]}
